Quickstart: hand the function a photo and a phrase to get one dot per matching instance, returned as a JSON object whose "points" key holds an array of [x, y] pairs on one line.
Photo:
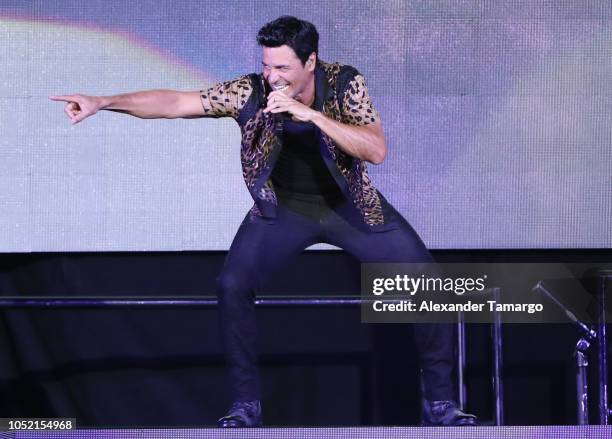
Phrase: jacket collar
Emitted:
{"points": [[323, 91]]}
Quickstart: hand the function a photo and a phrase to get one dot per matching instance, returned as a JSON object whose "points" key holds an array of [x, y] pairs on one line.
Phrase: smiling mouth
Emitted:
{"points": [[280, 87]]}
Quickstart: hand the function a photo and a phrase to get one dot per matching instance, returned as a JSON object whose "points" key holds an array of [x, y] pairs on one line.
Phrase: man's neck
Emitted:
{"points": [[307, 97]]}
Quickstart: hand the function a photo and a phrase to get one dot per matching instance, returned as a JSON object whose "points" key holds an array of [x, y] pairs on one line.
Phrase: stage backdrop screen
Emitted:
{"points": [[497, 114]]}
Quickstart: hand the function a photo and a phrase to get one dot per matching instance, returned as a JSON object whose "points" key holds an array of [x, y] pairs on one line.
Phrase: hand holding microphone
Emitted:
{"points": [[278, 102]]}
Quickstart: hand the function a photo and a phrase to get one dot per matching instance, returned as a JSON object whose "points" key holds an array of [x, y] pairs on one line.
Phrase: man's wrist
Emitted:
{"points": [[317, 117], [104, 102]]}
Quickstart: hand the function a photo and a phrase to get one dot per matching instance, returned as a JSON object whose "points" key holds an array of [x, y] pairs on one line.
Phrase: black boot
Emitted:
{"points": [[445, 413], [242, 414]]}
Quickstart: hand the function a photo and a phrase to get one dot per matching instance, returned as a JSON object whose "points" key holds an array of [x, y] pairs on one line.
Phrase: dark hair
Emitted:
{"points": [[298, 34]]}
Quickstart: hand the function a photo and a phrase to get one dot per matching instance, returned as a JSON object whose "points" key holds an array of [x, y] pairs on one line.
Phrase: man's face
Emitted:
{"points": [[284, 71]]}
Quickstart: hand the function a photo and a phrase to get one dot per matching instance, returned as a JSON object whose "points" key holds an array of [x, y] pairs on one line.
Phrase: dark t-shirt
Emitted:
{"points": [[300, 167], [301, 179]]}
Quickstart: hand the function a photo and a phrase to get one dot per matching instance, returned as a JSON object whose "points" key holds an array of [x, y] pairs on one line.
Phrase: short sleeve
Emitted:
{"points": [[226, 99], [357, 107]]}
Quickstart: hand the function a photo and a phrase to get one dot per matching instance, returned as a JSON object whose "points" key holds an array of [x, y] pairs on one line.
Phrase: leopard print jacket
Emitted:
{"points": [[345, 99]]}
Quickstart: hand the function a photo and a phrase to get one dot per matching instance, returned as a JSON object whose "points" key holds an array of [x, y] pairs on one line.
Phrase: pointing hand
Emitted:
{"points": [[79, 106]]}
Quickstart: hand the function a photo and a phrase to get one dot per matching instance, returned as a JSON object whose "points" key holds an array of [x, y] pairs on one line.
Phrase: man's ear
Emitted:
{"points": [[311, 62]]}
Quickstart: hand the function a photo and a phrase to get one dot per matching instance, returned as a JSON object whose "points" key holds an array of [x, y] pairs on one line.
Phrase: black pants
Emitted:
{"points": [[262, 247]]}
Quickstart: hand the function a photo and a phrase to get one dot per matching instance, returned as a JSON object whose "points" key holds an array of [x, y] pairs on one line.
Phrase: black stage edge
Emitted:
{"points": [[320, 367]]}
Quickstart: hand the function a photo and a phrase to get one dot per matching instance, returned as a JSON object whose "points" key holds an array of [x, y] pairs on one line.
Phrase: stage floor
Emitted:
{"points": [[509, 432]]}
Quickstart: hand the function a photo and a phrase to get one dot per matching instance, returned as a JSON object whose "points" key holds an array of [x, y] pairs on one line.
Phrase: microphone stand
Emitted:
{"points": [[580, 355]]}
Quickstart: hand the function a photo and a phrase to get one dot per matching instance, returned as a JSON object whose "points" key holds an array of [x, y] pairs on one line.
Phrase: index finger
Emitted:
{"points": [[277, 93], [64, 98]]}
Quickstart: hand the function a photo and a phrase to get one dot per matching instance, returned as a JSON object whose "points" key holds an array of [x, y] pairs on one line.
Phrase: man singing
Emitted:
{"points": [[308, 129]]}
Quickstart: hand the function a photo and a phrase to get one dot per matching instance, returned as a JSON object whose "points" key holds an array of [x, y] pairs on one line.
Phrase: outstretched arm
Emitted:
{"points": [[150, 104]]}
